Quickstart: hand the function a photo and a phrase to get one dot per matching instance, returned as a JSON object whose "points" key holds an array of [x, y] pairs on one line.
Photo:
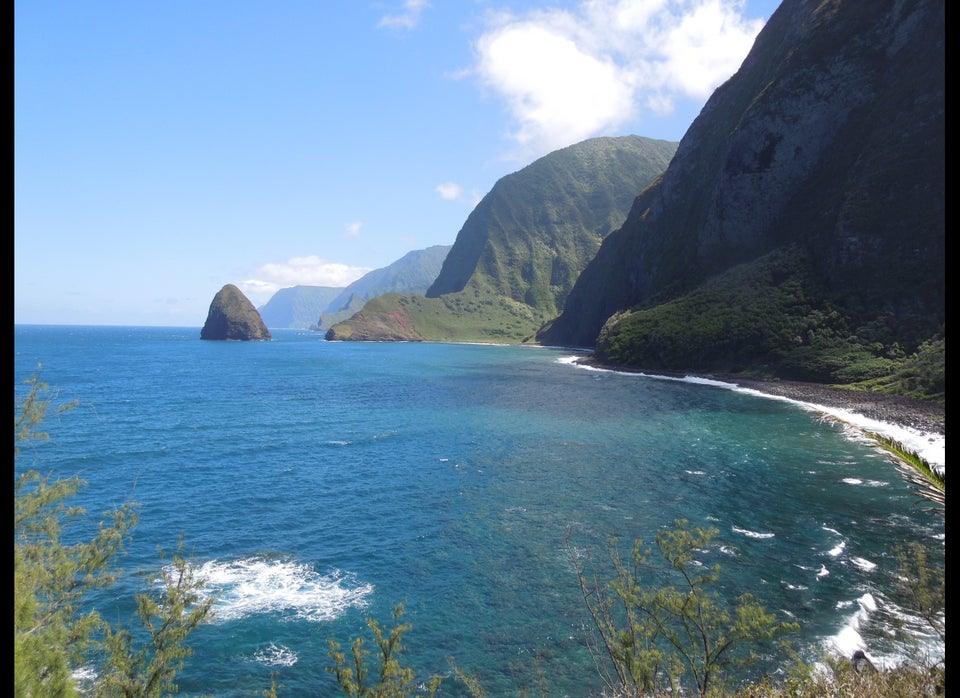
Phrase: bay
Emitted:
{"points": [[316, 484]]}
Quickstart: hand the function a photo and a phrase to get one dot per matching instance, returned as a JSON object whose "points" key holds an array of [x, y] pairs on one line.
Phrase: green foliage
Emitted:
{"points": [[392, 679], [274, 687], [473, 315], [931, 482], [55, 631], [920, 375], [773, 317], [150, 669], [472, 683], [51, 632], [671, 638], [31, 410]]}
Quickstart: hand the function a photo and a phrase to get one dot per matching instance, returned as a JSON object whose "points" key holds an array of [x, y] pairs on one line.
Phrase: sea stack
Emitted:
{"points": [[233, 316]]}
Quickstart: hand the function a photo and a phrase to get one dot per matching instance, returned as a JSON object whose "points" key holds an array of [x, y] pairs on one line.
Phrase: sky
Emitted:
{"points": [[165, 148]]}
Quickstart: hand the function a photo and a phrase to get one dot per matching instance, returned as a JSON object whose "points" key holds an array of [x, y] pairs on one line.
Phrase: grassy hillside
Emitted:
{"points": [[474, 315]]}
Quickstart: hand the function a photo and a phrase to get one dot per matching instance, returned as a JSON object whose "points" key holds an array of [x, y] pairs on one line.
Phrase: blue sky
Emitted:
{"points": [[166, 148]]}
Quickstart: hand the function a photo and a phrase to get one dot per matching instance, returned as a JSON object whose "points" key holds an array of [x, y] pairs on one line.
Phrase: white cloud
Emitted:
{"points": [[298, 271], [567, 75], [558, 93], [352, 230], [707, 47], [449, 191], [408, 18]]}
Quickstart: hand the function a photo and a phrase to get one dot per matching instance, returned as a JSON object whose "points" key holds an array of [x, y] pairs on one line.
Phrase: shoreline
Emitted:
{"points": [[895, 416]]}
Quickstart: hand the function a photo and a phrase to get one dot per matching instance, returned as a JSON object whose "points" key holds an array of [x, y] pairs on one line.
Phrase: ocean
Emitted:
{"points": [[318, 484]]}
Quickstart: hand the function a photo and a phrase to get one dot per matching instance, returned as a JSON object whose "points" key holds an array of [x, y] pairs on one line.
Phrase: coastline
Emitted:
{"points": [[918, 424]]}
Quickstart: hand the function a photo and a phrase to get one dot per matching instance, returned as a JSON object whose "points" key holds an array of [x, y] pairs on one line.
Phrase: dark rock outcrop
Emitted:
{"points": [[233, 316]]}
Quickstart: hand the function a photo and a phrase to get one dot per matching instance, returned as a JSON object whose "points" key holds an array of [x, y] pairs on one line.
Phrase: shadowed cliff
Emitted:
{"points": [[799, 230]]}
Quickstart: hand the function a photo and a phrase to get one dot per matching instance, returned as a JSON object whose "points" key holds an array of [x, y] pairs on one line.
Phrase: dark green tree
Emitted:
{"points": [[392, 679], [671, 638]]}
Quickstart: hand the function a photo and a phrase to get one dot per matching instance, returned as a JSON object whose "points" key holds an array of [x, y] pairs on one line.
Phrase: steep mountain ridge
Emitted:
{"points": [[413, 274], [319, 307], [520, 250], [297, 307], [532, 234], [827, 148]]}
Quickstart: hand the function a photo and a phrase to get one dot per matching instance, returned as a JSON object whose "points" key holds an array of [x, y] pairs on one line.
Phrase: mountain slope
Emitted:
{"points": [[413, 273], [297, 307], [533, 233], [520, 250], [820, 164], [318, 307]]}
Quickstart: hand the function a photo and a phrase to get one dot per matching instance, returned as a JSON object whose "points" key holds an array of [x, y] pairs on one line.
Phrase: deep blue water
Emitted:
{"points": [[316, 484]]}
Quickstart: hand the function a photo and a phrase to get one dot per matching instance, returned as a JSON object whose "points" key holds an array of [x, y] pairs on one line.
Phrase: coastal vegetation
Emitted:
{"points": [[918, 375], [671, 639], [773, 319], [474, 315], [931, 481], [391, 679]]}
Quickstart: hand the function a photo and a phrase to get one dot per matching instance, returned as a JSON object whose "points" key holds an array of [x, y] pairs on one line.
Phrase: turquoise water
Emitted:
{"points": [[319, 483]]}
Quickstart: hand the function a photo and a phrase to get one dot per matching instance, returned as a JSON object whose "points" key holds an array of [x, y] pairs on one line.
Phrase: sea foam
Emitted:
{"points": [[929, 447], [258, 585]]}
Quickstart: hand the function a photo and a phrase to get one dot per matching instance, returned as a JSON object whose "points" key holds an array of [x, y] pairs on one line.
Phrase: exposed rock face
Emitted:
{"points": [[233, 316], [829, 138], [391, 326]]}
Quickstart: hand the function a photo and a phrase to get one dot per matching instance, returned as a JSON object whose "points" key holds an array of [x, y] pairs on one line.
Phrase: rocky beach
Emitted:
{"points": [[922, 418], [909, 413]]}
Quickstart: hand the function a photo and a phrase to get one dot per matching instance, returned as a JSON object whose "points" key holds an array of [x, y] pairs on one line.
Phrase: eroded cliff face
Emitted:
{"points": [[233, 316], [830, 137]]}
